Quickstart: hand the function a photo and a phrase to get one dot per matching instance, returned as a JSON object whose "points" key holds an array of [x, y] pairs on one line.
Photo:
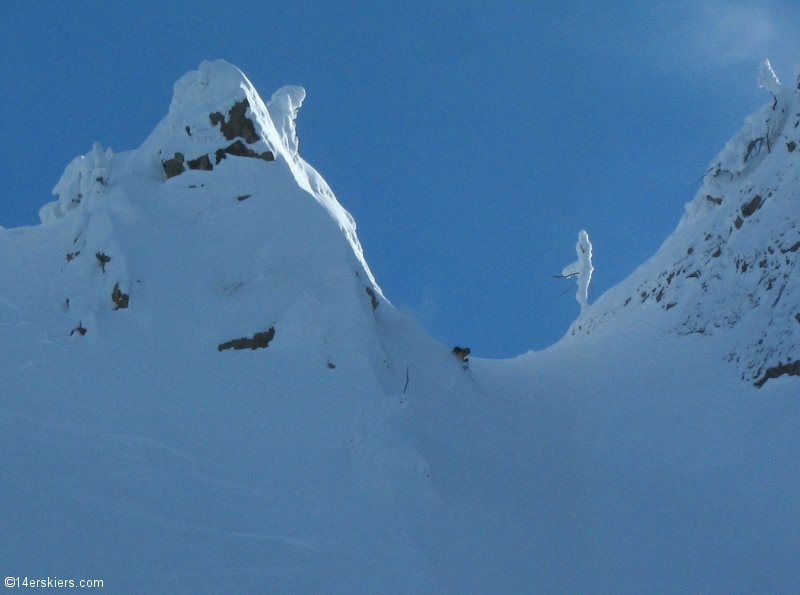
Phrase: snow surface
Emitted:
{"points": [[354, 454]]}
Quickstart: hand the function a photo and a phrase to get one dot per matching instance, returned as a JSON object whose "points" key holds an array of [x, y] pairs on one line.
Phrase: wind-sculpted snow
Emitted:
{"points": [[731, 266]]}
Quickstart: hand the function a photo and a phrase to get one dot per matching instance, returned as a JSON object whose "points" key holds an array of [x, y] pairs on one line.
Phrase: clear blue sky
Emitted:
{"points": [[471, 141]]}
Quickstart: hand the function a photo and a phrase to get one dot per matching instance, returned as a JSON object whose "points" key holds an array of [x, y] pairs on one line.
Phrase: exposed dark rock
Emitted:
{"points": [[119, 298], [752, 206], [372, 298], [670, 305], [797, 317], [689, 251], [790, 369], [259, 341], [794, 248], [189, 132], [243, 197], [331, 365], [791, 145], [716, 201], [202, 163], [103, 260], [696, 274], [238, 123], [72, 255], [717, 253], [238, 149], [78, 329], [738, 222], [174, 167], [754, 148]]}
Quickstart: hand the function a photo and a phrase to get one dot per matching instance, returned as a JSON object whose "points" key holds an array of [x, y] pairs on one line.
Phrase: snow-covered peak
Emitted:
{"points": [[203, 99], [209, 88], [208, 284], [730, 268], [217, 202], [216, 114]]}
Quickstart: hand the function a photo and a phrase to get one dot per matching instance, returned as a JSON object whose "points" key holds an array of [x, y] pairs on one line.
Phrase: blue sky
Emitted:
{"points": [[471, 143]]}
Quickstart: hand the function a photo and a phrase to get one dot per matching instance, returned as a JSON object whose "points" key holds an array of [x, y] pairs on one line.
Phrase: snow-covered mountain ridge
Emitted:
{"points": [[218, 166], [730, 266], [203, 390], [195, 318]]}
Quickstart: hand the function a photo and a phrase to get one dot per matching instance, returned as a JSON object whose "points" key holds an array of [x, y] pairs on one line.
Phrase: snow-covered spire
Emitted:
{"points": [[582, 268], [283, 108], [767, 78]]}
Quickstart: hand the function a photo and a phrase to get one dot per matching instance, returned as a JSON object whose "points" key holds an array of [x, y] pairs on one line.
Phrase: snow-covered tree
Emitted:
{"points": [[767, 78], [582, 268]]}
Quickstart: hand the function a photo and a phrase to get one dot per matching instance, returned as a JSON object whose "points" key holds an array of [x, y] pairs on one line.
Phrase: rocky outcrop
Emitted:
{"points": [[789, 369], [373, 298], [174, 167], [202, 163], [120, 299], [236, 127], [258, 341], [238, 149], [237, 123]]}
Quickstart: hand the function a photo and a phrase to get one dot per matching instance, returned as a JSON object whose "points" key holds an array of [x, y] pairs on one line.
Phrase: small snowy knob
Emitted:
{"points": [[767, 78]]}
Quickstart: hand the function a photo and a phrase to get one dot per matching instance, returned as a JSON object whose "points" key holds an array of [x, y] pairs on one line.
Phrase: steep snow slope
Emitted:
{"points": [[731, 264], [204, 390], [623, 462], [191, 368]]}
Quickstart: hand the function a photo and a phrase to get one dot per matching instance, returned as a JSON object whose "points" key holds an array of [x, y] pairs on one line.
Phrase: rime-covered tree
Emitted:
{"points": [[582, 268]]}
